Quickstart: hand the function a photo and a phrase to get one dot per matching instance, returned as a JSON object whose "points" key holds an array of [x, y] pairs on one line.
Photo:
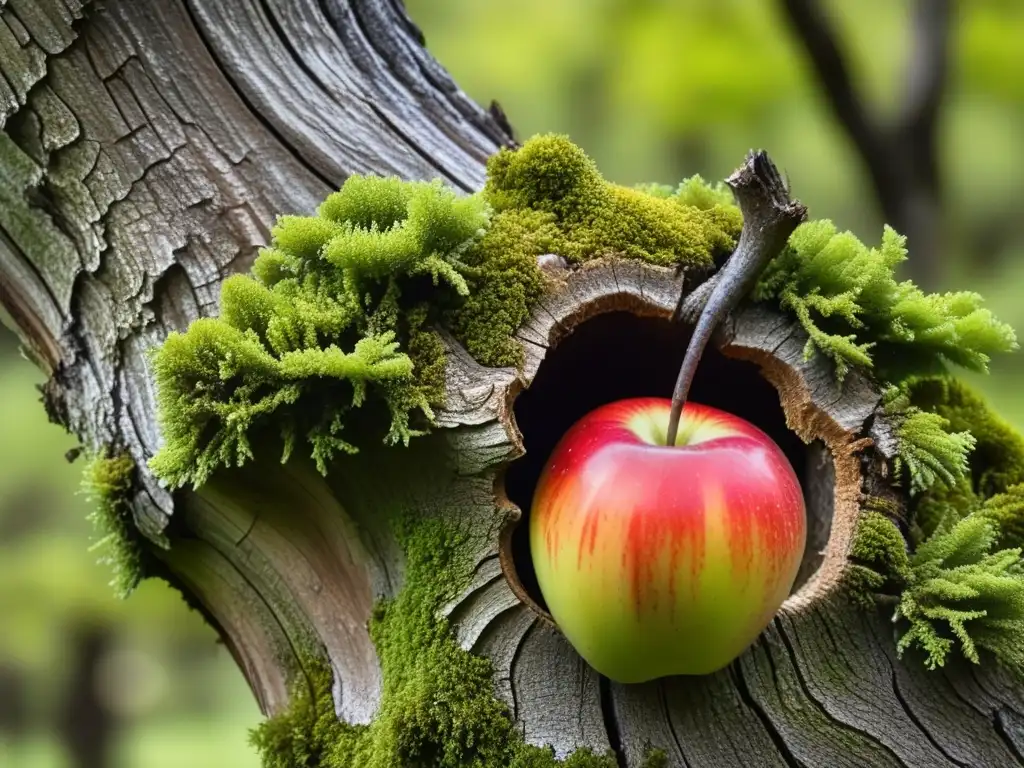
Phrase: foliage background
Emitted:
{"points": [[654, 90]]}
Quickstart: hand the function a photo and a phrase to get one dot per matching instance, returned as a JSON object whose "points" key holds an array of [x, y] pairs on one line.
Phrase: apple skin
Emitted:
{"points": [[658, 560]]}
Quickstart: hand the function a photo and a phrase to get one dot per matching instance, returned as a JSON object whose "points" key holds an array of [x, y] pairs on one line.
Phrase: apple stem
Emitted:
{"points": [[769, 218]]}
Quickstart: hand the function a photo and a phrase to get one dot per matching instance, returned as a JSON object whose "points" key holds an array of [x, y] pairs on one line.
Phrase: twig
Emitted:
{"points": [[769, 218]]}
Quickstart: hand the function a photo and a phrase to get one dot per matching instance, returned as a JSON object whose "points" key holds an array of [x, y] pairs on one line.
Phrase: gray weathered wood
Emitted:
{"points": [[151, 146]]}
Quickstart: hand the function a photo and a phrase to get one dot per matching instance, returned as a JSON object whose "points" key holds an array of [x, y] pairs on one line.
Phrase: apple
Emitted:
{"points": [[660, 560]]}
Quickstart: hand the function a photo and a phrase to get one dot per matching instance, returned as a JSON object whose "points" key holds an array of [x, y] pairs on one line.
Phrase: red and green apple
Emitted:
{"points": [[659, 560]]}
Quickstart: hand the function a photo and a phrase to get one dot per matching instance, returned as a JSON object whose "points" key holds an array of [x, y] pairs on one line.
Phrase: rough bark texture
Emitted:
{"points": [[145, 149], [148, 147]]}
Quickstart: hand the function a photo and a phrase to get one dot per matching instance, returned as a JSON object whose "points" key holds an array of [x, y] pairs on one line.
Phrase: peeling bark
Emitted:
{"points": [[149, 149], [145, 150]]}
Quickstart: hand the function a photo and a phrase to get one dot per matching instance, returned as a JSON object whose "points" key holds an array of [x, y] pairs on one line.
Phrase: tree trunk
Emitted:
{"points": [[147, 146]]}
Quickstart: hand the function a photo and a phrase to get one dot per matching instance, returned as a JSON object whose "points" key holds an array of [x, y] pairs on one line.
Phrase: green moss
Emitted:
{"points": [[963, 593], [1006, 511], [505, 283], [305, 735], [879, 562], [953, 453], [338, 313], [428, 356], [940, 504], [438, 706], [656, 189], [846, 297], [929, 453], [991, 485], [962, 588], [997, 461], [550, 174], [549, 197], [958, 591], [107, 483], [706, 196]]}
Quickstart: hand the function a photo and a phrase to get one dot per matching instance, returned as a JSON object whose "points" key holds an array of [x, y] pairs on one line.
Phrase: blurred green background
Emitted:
{"points": [[654, 90]]}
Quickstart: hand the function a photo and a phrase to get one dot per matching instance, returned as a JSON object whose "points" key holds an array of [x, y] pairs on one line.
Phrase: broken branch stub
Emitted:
{"points": [[769, 218]]}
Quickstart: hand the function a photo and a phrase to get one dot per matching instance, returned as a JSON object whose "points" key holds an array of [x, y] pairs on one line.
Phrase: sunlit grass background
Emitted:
{"points": [[655, 91]]}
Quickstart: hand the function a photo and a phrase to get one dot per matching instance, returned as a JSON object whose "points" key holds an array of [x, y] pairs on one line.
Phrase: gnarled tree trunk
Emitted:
{"points": [[147, 146]]}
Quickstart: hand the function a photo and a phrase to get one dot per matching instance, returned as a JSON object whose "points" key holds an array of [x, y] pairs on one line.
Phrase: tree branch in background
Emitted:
{"points": [[901, 159], [821, 42], [927, 76], [85, 724]]}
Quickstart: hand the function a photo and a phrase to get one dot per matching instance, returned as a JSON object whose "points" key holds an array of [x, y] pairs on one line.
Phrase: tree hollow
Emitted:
{"points": [[621, 342]]}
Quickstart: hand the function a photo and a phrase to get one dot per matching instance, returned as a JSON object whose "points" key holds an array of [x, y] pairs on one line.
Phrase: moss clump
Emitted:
{"points": [[928, 451], [957, 590], [961, 593], [552, 175], [438, 707], [549, 197], [930, 509], [997, 461], [958, 587], [962, 588], [505, 283], [846, 297], [993, 483], [107, 483], [879, 561], [1006, 512], [336, 314], [305, 735]]}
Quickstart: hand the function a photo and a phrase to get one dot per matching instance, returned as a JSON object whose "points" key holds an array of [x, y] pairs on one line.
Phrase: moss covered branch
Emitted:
{"points": [[438, 708]]}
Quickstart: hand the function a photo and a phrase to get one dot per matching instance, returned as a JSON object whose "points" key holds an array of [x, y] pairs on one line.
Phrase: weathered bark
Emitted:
{"points": [[147, 147]]}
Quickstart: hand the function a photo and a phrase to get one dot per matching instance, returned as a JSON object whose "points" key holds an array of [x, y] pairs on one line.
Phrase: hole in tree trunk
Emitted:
{"points": [[620, 355]]}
